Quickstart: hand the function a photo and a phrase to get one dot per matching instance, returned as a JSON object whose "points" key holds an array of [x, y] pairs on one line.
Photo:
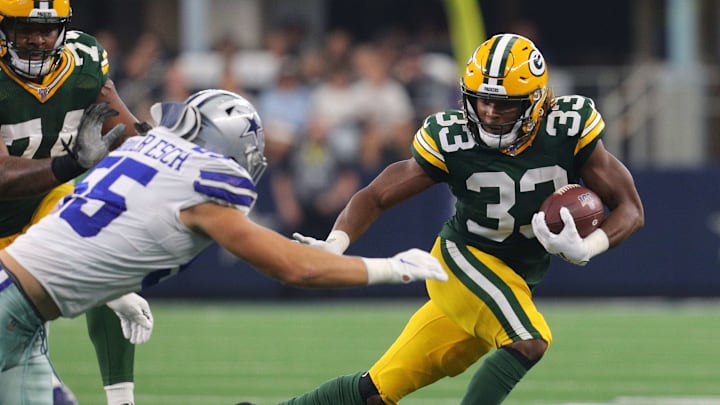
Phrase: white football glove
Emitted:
{"points": [[568, 244], [404, 267], [136, 319], [91, 145], [336, 242]]}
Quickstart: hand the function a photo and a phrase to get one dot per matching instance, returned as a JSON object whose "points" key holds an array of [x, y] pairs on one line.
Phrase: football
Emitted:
{"points": [[585, 206]]}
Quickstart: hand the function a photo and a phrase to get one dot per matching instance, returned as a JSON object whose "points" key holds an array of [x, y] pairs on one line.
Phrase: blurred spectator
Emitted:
{"points": [[110, 42], [386, 109], [427, 93], [141, 81], [313, 184], [335, 110], [175, 85], [313, 66], [284, 107], [228, 49], [338, 46]]}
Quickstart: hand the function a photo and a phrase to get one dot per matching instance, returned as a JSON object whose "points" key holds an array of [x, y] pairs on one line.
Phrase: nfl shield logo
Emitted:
{"points": [[43, 92]]}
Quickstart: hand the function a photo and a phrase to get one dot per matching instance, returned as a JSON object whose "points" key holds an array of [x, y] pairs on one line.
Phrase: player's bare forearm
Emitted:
{"points": [[607, 176], [397, 183], [271, 253], [22, 178], [109, 94]]}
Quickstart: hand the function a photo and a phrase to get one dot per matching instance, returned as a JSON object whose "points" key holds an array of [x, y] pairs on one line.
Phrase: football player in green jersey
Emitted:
{"points": [[48, 76], [510, 146]]}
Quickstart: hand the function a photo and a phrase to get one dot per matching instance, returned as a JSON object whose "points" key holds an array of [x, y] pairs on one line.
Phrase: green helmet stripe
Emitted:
{"points": [[498, 58]]}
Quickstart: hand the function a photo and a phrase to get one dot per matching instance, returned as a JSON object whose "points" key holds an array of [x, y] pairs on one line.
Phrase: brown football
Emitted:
{"points": [[585, 206]]}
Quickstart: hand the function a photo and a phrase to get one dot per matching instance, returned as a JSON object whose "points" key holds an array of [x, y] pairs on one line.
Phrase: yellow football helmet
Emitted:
{"points": [[507, 67], [32, 62]]}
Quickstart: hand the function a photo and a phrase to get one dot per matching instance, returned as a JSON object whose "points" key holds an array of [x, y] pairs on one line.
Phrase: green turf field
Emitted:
{"points": [[605, 352]]}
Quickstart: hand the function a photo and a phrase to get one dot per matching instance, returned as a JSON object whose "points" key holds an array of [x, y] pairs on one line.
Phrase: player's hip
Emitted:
{"points": [[43, 208], [485, 297]]}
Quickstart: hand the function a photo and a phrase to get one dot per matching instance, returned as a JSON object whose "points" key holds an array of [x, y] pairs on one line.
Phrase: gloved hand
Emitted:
{"points": [[405, 267], [91, 145], [136, 319], [336, 242], [568, 244]]}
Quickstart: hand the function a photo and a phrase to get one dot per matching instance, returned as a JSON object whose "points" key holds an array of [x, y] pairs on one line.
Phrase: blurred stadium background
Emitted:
{"points": [[650, 65]]}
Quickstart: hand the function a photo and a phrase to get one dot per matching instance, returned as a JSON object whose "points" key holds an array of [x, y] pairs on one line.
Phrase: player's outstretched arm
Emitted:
{"points": [[304, 266], [395, 184]]}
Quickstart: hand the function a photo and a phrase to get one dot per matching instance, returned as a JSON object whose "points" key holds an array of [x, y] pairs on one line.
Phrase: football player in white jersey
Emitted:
{"points": [[49, 75], [142, 214]]}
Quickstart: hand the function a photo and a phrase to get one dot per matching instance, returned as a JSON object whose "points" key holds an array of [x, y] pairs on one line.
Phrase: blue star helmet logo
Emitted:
{"points": [[253, 125]]}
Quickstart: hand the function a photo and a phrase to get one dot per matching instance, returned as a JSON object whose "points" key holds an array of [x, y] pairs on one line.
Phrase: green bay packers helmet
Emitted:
{"points": [[31, 62], [507, 67]]}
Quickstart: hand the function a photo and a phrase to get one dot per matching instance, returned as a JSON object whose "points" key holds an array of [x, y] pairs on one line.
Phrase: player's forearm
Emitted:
{"points": [[325, 270], [125, 116], [358, 215], [21, 178], [622, 222], [299, 265]]}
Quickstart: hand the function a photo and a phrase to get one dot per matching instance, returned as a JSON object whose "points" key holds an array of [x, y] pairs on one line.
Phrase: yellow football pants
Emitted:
{"points": [[483, 306]]}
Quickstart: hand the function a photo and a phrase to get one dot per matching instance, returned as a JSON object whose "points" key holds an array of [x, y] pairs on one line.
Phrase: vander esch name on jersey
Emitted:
{"points": [[159, 149]]}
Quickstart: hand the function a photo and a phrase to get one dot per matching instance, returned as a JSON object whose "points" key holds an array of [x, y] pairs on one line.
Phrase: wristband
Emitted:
{"points": [[597, 242], [378, 270], [339, 240], [66, 168]]}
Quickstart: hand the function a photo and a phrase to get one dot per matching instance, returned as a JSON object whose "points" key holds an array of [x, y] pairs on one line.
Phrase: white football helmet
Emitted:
{"points": [[218, 121]]}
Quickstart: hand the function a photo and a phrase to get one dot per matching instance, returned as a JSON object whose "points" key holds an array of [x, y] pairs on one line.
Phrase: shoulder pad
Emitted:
{"points": [[82, 38], [574, 116]]}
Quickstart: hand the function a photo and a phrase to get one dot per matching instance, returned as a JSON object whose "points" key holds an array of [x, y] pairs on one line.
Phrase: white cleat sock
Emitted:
{"points": [[120, 394]]}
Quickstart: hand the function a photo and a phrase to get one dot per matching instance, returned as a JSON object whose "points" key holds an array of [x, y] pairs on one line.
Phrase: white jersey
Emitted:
{"points": [[120, 230]]}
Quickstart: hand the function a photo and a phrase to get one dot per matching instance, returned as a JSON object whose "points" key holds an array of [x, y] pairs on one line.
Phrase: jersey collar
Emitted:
{"points": [[51, 82]]}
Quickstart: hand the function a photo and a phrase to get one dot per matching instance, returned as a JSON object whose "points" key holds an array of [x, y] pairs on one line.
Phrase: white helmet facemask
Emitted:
{"points": [[39, 67], [494, 141], [498, 141]]}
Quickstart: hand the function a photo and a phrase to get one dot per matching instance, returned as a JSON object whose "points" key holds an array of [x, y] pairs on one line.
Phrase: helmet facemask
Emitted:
{"points": [[508, 136], [32, 62]]}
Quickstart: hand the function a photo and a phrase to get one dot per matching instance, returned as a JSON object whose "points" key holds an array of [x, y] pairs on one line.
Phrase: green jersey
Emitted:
{"points": [[497, 194], [37, 118]]}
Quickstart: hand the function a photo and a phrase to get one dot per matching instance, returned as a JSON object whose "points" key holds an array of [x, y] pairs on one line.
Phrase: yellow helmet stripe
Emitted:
{"points": [[425, 146]]}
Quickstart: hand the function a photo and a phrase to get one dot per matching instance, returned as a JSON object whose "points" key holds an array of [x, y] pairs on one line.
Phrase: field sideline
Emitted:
{"points": [[205, 353]]}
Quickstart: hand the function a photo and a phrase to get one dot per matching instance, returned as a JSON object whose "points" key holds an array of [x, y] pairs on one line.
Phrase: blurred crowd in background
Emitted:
{"points": [[334, 115], [342, 99]]}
